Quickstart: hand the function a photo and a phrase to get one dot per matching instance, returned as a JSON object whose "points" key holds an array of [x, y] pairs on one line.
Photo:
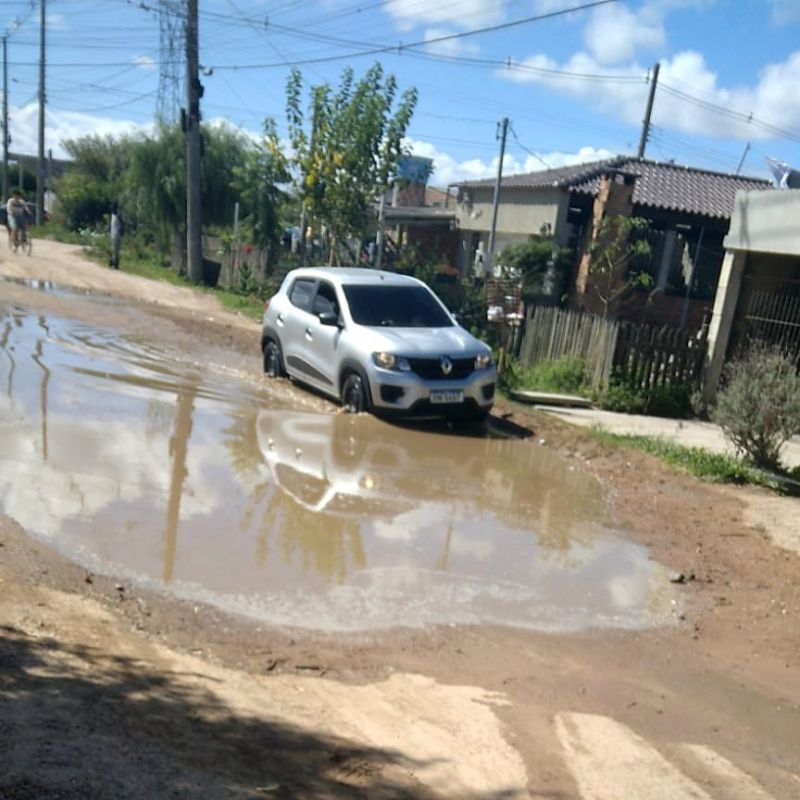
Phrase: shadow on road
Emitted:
{"points": [[79, 723]]}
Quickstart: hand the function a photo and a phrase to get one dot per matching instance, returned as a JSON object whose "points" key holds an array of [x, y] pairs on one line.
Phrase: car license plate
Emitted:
{"points": [[447, 396]]}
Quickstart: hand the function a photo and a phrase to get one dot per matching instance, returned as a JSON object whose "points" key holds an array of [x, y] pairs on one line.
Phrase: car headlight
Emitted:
{"points": [[391, 361], [483, 360]]}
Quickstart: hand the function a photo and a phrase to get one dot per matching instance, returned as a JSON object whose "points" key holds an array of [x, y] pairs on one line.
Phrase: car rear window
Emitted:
{"points": [[301, 293], [395, 307]]}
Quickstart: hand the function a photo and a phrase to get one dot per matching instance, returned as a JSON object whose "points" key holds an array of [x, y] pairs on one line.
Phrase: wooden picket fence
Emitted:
{"points": [[644, 356]]}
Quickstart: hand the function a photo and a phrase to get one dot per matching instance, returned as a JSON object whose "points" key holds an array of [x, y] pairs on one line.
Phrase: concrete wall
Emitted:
{"points": [[766, 222], [521, 212], [762, 222]]}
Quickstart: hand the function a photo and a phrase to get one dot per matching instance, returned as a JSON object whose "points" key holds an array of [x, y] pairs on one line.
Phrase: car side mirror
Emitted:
{"points": [[329, 318]]}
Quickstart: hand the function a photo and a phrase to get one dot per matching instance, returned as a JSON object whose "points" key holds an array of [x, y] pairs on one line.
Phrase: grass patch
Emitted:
{"points": [[566, 375], [697, 461]]}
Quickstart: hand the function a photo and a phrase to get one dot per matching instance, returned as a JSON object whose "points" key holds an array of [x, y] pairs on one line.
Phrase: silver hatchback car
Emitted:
{"points": [[376, 341]]}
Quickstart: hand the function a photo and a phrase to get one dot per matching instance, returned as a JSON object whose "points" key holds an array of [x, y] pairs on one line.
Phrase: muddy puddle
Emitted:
{"points": [[184, 479]]}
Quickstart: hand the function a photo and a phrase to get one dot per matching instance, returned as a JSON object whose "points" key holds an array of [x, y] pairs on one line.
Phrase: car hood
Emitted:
{"points": [[451, 341]]}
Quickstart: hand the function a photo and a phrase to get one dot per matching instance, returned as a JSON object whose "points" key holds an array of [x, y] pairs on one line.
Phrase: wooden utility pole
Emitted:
{"points": [[496, 200], [194, 243], [40, 150], [649, 112], [5, 119]]}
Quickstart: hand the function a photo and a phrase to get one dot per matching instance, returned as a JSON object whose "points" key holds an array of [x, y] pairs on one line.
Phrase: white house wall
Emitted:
{"points": [[521, 212], [766, 222]]}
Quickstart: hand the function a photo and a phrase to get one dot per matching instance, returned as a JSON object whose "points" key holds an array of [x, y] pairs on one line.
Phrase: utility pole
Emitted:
{"points": [[744, 156], [647, 114], [194, 244], [40, 150], [496, 200], [379, 235], [5, 119]]}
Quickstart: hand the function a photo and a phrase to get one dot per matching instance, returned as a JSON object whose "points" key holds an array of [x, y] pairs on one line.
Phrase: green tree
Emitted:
{"points": [[538, 261], [156, 178], [258, 182], [87, 190], [156, 183], [617, 246], [351, 154], [226, 151]]}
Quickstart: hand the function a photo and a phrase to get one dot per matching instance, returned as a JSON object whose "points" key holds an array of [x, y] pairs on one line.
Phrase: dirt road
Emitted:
{"points": [[109, 689]]}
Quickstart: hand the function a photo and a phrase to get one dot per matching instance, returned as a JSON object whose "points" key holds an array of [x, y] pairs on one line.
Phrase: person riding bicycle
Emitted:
{"points": [[17, 210]]}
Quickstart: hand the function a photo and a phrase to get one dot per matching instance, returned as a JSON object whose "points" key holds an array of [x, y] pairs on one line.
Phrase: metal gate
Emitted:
{"points": [[769, 311]]}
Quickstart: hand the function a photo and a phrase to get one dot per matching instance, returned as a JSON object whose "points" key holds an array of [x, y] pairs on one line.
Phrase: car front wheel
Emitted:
{"points": [[354, 394], [273, 360]]}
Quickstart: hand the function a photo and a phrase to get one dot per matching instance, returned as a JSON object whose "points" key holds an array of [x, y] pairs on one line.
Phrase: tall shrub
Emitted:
{"points": [[759, 409]]}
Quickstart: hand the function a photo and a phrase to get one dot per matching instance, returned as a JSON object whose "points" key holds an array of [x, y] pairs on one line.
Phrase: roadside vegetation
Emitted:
{"points": [[759, 408], [702, 463]]}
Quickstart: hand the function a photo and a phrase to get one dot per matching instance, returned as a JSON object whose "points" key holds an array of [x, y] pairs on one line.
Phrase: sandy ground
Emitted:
{"points": [[107, 691]]}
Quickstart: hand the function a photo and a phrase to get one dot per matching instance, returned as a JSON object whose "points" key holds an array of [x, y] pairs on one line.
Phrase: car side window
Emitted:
{"points": [[301, 293], [325, 300]]}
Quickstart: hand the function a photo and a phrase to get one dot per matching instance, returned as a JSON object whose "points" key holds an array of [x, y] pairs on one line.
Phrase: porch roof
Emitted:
{"points": [[420, 215], [661, 185]]}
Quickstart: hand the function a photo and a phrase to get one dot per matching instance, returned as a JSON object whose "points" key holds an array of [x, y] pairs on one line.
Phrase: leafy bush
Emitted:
{"points": [[673, 400], [759, 410], [621, 396], [566, 375], [669, 400]]}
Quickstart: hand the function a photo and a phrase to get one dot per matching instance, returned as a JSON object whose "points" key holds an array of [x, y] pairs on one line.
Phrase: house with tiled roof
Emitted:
{"points": [[688, 210]]}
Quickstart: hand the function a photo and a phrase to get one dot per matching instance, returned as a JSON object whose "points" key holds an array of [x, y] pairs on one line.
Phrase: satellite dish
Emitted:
{"points": [[785, 177]]}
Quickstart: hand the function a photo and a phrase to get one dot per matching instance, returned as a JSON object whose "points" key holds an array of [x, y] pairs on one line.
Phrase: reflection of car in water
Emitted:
{"points": [[347, 465], [330, 462]]}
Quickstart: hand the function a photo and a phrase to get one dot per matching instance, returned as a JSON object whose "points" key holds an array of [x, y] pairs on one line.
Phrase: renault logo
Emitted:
{"points": [[446, 364]]}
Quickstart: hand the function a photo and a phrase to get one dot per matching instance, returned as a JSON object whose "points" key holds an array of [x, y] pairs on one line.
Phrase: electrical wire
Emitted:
{"points": [[529, 152]]}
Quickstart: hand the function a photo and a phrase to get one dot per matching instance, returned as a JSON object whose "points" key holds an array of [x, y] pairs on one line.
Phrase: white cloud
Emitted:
{"points": [[59, 126], [448, 170], [144, 62], [449, 47], [615, 33], [785, 12], [466, 14], [773, 98]]}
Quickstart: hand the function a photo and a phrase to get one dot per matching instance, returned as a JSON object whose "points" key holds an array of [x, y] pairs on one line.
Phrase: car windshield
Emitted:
{"points": [[395, 307]]}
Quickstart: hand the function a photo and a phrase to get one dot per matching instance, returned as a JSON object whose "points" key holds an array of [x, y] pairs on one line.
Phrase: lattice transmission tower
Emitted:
{"points": [[172, 56]]}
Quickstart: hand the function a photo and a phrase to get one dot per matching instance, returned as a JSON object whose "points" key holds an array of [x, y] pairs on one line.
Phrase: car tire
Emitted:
{"points": [[273, 359], [355, 398]]}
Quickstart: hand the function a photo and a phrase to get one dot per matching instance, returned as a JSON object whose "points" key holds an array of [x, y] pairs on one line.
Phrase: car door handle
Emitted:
{"points": [[308, 334], [280, 319]]}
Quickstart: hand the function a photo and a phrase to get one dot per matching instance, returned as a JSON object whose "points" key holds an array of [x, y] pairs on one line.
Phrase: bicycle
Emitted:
{"points": [[24, 241], [23, 238]]}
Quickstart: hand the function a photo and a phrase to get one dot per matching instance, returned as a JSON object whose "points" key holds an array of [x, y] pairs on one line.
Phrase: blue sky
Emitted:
{"points": [[574, 86]]}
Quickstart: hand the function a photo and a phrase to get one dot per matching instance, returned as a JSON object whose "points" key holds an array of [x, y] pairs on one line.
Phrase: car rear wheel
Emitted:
{"points": [[273, 360], [354, 394]]}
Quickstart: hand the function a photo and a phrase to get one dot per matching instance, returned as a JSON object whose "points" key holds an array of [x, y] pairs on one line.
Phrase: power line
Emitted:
{"points": [[529, 152], [401, 47]]}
